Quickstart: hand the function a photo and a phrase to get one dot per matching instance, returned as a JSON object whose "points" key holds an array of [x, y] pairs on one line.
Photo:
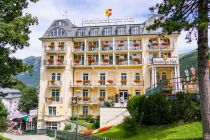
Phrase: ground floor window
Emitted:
{"points": [[52, 125], [85, 110], [138, 92]]}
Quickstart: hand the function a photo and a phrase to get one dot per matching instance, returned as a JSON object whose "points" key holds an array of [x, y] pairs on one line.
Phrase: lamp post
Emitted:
{"points": [[78, 93]]}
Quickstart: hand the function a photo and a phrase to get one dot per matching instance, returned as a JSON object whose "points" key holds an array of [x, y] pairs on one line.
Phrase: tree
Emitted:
{"points": [[28, 100], [3, 115], [14, 31], [191, 16]]}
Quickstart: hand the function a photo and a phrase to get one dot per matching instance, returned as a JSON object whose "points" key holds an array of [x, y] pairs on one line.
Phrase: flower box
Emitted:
{"points": [[120, 44], [91, 60], [136, 59], [123, 81], [60, 60], [79, 81], [77, 61], [87, 81], [110, 81], [50, 98], [120, 59], [79, 98], [92, 46], [137, 81], [52, 82], [86, 98], [165, 43], [51, 45], [136, 44], [101, 99], [77, 47], [101, 81], [106, 45], [61, 45], [105, 60], [50, 60], [154, 43]]}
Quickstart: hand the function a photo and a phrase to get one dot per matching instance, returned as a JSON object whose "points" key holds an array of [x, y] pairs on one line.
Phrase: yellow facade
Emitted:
{"points": [[81, 74]]}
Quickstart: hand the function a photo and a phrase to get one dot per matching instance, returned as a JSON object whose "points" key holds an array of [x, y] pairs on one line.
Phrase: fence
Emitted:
{"points": [[66, 135]]}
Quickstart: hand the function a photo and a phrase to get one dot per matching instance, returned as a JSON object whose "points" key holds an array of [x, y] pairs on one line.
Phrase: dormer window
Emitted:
{"points": [[57, 32], [60, 23], [121, 31], [80, 32], [94, 32], [107, 31], [135, 30]]}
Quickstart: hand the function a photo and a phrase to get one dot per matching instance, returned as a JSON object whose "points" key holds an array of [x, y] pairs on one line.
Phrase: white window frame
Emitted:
{"points": [[52, 111]]}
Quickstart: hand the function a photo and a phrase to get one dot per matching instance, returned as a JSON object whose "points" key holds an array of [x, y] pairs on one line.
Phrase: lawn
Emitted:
{"points": [[83, 122], [3, 138], [176, 131]]}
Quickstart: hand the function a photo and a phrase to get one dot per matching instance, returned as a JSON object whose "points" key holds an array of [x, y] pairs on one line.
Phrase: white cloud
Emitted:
{"points": [[49, 10]]}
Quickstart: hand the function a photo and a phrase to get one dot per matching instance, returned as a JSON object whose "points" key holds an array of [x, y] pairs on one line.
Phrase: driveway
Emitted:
{"points": [[27, 137]]}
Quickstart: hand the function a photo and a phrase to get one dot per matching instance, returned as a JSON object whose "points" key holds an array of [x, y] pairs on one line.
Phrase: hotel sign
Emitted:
{"points": [[168, 61]]}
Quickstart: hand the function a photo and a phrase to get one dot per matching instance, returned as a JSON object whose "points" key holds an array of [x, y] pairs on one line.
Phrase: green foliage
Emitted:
{"points": [[14, 28], [3, 115], [184, 108], [67, 127], [108, 103], [129, 127], [29, 98], [157, 110], [135, 106], [96, 124]]}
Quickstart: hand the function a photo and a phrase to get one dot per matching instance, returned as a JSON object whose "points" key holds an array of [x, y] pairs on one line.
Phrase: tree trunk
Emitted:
{"points": [[203, 71]]}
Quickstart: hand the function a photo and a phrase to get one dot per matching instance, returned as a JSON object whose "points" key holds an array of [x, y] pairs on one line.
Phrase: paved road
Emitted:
{"points": [[27, 137]]}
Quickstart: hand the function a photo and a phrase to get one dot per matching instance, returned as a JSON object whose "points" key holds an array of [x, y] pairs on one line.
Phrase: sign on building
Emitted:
{"points": [[33, 112], [168, 61]]}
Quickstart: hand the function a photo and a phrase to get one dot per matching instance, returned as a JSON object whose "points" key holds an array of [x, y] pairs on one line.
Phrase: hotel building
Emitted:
{"points": [[99, 64]]}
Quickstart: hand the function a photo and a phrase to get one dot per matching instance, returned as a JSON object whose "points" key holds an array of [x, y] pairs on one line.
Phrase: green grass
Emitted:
{"points": [[176, 131], [83, 122], [3, 138]]}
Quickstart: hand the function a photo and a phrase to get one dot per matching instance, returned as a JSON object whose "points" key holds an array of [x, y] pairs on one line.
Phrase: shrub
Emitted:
{"points": [[96, 125], [129, 127], [184, 108], [67, 127], [108, 103], [135, 106], [157, 110]]}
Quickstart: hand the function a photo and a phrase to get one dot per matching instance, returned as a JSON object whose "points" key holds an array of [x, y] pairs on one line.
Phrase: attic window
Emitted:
{"points": [[121, 31], [57, 32], [60, 23], [135, 30], [80, 32]]}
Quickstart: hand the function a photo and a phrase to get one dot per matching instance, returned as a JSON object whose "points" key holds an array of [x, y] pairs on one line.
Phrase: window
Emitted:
{"points": [[137, 92], [103, 78], [135, 30], [103, 93], [107, 31], [85, 93], [94, 32], [57, 32], [85, 110], [52, 111], [164, 77], [80, 32], [138, 76], [60, 23], [123, 76], [52, 125], [53, 76], [85, 76], [121, 31], [56, 95], [58, 76]]}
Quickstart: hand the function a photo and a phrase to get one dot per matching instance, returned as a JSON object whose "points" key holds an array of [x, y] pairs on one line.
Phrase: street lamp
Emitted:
{"points": [[78, 93]]}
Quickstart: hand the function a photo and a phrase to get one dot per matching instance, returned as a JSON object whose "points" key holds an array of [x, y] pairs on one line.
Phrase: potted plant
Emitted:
{"points": [[120, 44], [121, 59], [165, 43], [101, 98], [86, 98], [50, 60], [87, 81], [136, 44], [136, 59], [105, 45], [137, 81], [105, 60], [60, 60], [110, 81], [91, 60], [79, 98], [52, 82], [92, 46]]}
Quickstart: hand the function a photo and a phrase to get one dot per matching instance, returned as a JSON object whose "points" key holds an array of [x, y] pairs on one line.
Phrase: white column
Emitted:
{"points": [[114, 61], [152, 75], [85, 55], [99, 55], [176, 80], [128, 45], [155, 76]]}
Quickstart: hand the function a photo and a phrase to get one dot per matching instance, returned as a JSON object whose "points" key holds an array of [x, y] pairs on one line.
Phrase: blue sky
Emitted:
{"points": [[49, 10]]}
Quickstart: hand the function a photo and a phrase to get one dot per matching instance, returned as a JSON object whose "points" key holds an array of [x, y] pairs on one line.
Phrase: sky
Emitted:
{"points": [[48, 10]]}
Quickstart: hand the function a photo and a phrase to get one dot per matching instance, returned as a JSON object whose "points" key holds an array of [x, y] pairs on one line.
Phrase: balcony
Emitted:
{"points": [[107, 61], [92, 61], [54, 84], [100, 83], [78, 49], [53, 100], [84, 100], [55, 63], [107, 47], [93, 48], [160, 47], [52, 49], [135, 46]]}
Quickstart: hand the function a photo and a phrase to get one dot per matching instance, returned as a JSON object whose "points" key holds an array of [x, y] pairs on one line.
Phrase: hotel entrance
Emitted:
{"points": [[124, 94]]}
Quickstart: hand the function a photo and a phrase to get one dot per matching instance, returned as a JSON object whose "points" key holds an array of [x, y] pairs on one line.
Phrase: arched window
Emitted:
{"points": [[53, 76], [57, 32], [58, 76], [138, 77], [164, 77]]}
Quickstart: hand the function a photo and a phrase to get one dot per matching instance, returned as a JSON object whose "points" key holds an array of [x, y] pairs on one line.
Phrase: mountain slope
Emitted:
{"points": [[31, 79]]}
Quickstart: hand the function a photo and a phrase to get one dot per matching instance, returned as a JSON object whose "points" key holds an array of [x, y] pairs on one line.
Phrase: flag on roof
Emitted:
{"points": [[108, 12]]}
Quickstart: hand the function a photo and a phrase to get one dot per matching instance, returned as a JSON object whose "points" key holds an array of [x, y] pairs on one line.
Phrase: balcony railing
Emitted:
{"points": [[93, 49], [84, 100], [160, 47], [80, 83], [121, 48], [52, 62], [53, 83], [53, 100]]}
